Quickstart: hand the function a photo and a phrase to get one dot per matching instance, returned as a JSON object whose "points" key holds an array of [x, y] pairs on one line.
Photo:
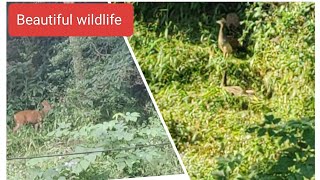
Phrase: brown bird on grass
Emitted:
{"points": [[235, 90], [223, 42], [226, 44]]}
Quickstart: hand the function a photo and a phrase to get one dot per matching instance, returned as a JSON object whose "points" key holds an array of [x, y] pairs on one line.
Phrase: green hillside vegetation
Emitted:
{"points": [[220, 136], [101, 106]]}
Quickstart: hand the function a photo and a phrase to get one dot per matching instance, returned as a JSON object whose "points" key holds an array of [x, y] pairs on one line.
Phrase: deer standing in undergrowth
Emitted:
{"points": [[33, 117]]}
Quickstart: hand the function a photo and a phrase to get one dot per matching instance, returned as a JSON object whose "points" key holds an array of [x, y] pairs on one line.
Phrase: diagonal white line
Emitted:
{"points": [[156, 106]]}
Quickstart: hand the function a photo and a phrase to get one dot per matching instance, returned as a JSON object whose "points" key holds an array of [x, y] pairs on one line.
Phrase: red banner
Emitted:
{"points": [[79, 19]]}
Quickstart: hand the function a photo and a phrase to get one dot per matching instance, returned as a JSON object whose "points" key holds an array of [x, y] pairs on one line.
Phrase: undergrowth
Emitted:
{"points": [[176, 46]]}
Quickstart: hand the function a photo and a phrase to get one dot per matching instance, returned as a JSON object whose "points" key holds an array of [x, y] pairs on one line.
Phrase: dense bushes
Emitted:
{"points": [[100, 104], [176, 45]]}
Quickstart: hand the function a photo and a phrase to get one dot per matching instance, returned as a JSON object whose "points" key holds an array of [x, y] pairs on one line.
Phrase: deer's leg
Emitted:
{"points": [[16, 127], [36, 126]]}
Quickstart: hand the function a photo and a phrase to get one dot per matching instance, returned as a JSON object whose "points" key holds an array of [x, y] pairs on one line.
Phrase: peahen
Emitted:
{"points": [[227, 45], [223, 41]]}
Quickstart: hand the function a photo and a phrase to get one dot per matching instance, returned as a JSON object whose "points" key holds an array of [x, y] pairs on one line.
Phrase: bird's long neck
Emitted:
{"points": [[224, 79], [221, 35]]}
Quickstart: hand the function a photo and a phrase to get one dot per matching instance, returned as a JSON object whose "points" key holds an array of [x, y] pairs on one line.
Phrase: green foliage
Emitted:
{"points": [[27, 68], [297, 160], [110, 75], [176, 45], [89, 100], [111, 153]]}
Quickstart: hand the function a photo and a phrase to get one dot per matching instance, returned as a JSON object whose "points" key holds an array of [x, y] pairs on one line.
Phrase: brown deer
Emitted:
{"points": [[33, 117]]}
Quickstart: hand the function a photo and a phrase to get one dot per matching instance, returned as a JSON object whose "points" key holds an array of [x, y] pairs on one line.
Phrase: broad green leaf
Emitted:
{"points": [[85, 164], [121, 165], [77, 169], [91, 157]]}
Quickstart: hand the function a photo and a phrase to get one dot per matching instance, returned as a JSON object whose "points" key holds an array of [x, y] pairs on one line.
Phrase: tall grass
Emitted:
{"points": [[176, 46]]}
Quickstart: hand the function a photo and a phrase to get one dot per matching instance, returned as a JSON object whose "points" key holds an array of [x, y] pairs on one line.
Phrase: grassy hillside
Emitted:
{"points": [[220, 136]]}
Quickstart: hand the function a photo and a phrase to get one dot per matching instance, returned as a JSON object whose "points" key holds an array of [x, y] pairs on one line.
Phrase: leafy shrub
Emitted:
{"points": [[115, 150]]}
